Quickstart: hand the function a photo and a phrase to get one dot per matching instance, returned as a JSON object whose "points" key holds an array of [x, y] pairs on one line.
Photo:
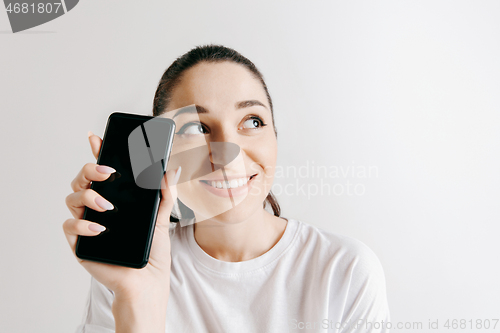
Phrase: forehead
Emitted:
{"points": [[217, 84]]}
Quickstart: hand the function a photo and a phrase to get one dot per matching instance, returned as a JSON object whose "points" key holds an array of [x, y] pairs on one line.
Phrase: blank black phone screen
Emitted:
{"points": [[129, 227]]}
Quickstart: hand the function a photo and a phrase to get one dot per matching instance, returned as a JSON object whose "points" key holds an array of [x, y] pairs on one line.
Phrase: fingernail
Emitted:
{"points": [[90, 134], [104, 169], [103, 203], [96, 227], [177, 175]]}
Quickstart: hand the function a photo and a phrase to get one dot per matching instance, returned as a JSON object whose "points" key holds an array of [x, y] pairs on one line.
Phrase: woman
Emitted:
{"points": [[230, 265]]}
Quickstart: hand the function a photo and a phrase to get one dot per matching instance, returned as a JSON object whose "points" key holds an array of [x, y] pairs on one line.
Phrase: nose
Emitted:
{"points": [[223, 153], [222, 145]]}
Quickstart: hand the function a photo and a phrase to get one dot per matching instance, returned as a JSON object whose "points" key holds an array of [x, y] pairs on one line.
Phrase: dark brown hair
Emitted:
{"points": [[173, 75]]}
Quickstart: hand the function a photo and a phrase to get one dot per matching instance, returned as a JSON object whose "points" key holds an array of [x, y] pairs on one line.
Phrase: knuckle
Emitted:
{"points": [[89, 165], [73, 185], [88, 196], [67, 200], [67, 225], [88, 168]]}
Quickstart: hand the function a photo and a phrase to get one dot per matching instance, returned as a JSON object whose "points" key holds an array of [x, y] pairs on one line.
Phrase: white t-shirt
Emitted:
{"points": [[310, 281]]}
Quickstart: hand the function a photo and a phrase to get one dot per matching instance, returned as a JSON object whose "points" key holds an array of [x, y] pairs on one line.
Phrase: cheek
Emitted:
{"points": [[269, 167], [267, 157]]}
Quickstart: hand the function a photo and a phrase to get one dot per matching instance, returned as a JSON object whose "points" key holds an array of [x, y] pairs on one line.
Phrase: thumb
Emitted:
{"points": [[95, 144], [160, 248], [169, 195]]}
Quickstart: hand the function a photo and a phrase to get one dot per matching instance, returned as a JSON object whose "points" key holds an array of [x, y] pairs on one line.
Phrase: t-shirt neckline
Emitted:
{"points": [[243, 266]]}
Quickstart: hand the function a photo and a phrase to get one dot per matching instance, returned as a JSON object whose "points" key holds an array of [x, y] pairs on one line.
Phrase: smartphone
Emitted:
{"points": [[138, 148]]}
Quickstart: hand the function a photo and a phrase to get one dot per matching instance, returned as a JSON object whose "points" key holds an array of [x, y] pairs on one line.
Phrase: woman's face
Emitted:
{"points": [[228, 139]]}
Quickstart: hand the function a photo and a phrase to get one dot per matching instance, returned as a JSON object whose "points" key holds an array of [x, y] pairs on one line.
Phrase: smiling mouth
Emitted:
{"points": [[233, 183]]}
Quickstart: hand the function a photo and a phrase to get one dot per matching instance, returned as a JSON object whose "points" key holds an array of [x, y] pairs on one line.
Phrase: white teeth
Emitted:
{"points": [[234, 183]]}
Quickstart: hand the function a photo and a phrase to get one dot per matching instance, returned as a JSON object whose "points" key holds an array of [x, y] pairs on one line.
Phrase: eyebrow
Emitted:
{"points": [[247, 104], [201, 109]]}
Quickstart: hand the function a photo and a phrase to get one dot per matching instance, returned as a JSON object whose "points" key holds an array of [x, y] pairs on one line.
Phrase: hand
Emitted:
{"points": [[128, 283]]}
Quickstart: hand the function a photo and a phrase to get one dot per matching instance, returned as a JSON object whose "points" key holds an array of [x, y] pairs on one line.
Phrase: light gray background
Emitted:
{"points": [[411, 87]]}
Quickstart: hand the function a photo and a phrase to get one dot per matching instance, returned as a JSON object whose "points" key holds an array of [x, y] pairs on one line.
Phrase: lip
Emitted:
{"points": [[230, 192], [229, 178]]}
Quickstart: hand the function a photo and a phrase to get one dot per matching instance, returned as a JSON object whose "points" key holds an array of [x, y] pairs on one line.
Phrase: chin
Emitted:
{"points": [[231, 215], [210, 206], [234, 215]]}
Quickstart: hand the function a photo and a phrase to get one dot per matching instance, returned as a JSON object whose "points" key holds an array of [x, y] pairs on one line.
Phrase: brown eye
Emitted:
{"points": [[193, 129], [253, 122]]}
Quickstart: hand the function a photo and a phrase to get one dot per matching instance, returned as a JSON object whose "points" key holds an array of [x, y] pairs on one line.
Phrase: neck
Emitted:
{"points": [[240, 241]]}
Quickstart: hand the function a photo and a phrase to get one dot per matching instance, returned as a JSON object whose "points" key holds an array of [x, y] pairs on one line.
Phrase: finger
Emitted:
{"points": [[77, 202], [95, 144], [160, 247], [75, 227], [169, 195], [90, 172]]}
